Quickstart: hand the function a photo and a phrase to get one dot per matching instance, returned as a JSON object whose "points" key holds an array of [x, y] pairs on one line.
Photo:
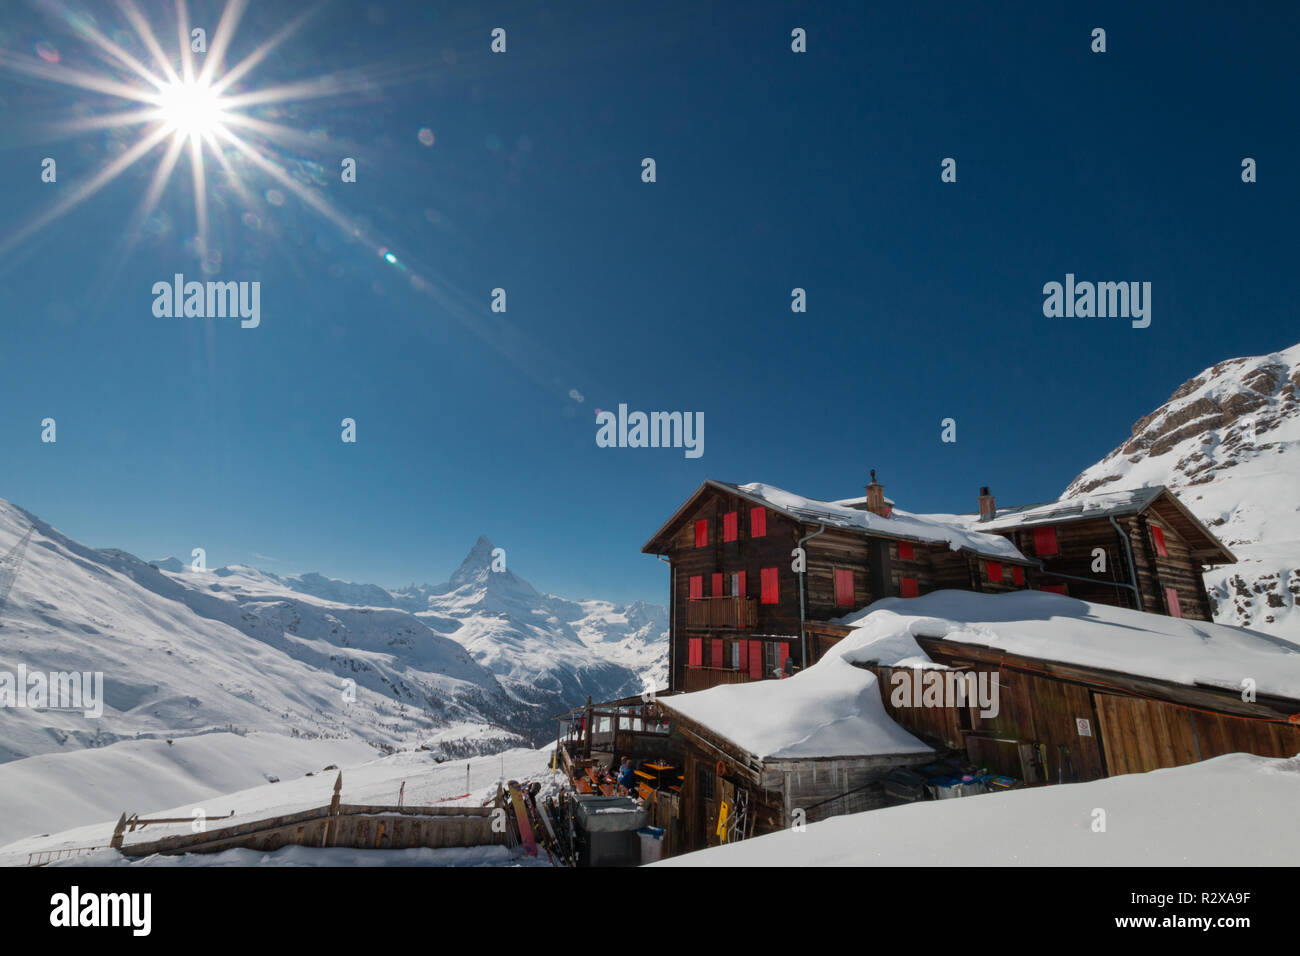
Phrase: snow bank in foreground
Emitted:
{"points": [[1056, 628], [1236, 810]]}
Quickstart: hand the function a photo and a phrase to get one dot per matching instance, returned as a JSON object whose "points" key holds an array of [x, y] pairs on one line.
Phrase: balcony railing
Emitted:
{"points": [[702, 678], [734, 613]]}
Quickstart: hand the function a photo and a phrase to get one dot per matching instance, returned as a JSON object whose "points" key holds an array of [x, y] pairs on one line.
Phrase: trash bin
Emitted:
{"points": [[652, 844]]}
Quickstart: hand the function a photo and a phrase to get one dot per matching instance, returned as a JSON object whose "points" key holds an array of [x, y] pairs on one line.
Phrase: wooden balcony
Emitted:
{"points": [[721, 613], [702, 678]]}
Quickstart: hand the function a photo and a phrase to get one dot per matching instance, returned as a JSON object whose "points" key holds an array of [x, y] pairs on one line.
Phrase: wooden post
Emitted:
{"points": [[587, 731], [331, 825], [116, 842]]}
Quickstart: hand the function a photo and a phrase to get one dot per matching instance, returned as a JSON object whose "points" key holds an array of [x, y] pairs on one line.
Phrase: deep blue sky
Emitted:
{"points": [[775, 170]]}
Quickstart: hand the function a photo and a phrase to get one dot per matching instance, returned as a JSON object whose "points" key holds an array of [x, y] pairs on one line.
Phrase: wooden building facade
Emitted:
{"points": [[739, 611], [1141, 549]]}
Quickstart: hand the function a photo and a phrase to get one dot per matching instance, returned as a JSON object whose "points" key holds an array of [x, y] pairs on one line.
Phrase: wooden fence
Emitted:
{"points": [[356, 826]]}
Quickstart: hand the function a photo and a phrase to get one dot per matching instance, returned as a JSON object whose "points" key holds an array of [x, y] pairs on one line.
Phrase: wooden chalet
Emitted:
{"points": [[1140, 549], [739, 611], [1062, 718]]}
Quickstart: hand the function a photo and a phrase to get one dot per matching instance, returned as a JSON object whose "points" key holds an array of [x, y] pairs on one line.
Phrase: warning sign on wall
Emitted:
{"points": [[1085, 728]]}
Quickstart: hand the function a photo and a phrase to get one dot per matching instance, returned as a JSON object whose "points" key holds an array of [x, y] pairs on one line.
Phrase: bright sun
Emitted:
{"points": [[192, 109]]}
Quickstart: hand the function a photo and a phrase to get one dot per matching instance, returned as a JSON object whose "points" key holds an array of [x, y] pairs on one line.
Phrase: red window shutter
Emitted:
{"points": [[906, 551], [843, 588], [785, 653], [729, 526], [757, 522], [742, 589], [995, 571], [715, 653], [701, 532], [770, 591], [1159, 537], [696, 656], [744, 655], [1054, 588], [1045, 542], [756, 660], [1018, 575], [717, 584], [908, 587], [1171, 598], [697, 587]]}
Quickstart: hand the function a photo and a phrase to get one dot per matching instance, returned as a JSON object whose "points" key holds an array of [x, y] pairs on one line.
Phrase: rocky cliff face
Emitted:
{"points": [[1228, 443]]}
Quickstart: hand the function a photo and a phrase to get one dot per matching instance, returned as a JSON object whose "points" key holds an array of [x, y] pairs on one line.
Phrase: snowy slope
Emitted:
{"points": [[190, 653], [550, 653], [1228, 443], [56, 791], [370, 781], [1235, 810], [479, 663]]}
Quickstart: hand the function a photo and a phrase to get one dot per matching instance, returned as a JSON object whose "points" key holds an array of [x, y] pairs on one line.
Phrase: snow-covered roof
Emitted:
{"points": [[900, 524], [1053, 627], [832, 709], [1125, 502]]}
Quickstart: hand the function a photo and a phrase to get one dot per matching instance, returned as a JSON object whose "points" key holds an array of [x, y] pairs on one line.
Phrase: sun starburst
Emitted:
{"points": [[176, 106]]}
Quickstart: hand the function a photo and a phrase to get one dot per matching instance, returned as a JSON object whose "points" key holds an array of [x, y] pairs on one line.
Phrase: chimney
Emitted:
{"points": [[987, 508], [876, 497]]}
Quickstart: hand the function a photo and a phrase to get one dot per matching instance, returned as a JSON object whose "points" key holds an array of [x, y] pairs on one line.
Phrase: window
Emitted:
{"points": [[1171, 599], [757, 522], [1045, 542], [907, 587], [704, 782], [729, 526], [742, 655], [843, 588], [783, 659], [768, 580], [717, 584], [1158, 536], [1018, 575], [738, 584], [1054, 588], [701, 532], [715, 653], [756, 660], [995, 571], [697, 587], [733, 658], [695, 653], [906, 551]]}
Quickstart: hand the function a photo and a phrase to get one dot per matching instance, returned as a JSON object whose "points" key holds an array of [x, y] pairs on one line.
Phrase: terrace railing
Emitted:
{"points": [[726, 613]]}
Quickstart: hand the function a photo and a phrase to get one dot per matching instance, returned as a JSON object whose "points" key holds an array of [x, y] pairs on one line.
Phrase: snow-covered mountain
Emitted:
{"points": [[1228, 442], [473, 666]]}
